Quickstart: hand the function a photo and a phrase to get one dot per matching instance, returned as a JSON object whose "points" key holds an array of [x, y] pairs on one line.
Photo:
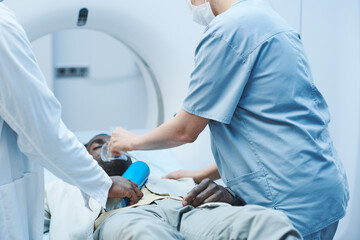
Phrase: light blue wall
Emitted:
{"points": [[331, 32], [290, 10]]}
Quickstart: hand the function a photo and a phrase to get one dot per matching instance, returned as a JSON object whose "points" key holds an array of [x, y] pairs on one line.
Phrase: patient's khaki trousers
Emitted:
{"points": [[168, 219]]}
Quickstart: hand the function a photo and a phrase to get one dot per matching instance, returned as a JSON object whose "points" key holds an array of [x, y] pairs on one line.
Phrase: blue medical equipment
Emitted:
{"points": [[138, 172]]}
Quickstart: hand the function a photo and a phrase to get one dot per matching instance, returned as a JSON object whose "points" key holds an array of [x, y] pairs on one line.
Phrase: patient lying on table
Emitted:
{"points": [[160, 214]]}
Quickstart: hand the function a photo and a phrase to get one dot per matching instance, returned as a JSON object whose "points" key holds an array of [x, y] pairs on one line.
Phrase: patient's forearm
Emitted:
{"points": [[211, 172], [208, 172]]}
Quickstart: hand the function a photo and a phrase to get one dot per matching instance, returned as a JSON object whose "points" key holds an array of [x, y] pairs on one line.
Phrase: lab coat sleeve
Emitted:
{"points": [[218, 80], [32, 111]]}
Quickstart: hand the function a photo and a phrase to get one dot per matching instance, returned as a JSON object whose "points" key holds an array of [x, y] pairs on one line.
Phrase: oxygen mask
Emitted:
{"points": [[107, 156]]}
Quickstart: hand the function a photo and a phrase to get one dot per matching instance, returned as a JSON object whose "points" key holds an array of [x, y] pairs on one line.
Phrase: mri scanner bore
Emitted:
{"points": [[92, 70]]}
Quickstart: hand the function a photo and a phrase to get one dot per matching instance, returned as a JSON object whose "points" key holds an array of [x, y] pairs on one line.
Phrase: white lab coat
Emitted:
{"points": [[33, 136]]}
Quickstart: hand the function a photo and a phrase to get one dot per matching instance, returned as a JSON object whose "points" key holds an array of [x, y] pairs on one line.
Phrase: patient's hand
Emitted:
{"points": [[207, 191], [123, 187], [196, 175], [210, 172]]}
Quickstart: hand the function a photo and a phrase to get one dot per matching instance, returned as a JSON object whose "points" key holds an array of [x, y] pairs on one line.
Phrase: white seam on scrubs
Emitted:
{"points": [[245, 55], [191, 110], [252, 142]]}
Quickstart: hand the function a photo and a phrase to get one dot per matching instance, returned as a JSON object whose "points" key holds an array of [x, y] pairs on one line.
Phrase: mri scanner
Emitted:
{"points": [[161, 67], [162, 38]]}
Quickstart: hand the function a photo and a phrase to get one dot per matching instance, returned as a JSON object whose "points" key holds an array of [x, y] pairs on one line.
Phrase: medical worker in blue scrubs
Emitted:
{"points": [[252, 85], [33, 136]]}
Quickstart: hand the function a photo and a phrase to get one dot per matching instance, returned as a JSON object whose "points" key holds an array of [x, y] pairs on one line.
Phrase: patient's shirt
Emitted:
{"points": [[66, 217], [154, 189], [157, 188]]}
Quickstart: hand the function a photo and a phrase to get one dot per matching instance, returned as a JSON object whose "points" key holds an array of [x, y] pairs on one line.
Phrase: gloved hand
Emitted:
{"points": [[124, 188]]}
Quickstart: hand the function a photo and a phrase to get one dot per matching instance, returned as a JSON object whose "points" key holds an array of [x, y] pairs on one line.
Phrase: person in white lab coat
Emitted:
{"points": [[33, 136]]}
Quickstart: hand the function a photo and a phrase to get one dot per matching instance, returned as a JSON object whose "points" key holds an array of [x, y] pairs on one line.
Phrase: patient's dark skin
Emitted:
{"points": [[207, 190], [113, 168]]}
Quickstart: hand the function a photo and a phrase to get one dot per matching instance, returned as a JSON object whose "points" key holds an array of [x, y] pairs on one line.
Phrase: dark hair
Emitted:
{"points": [[87, 144], [115, 167]]}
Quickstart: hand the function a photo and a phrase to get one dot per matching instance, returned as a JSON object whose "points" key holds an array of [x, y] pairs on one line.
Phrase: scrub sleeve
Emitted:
{"points": [[218, 80]]}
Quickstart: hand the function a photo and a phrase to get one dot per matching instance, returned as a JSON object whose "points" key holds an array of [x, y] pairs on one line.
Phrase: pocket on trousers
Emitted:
{"points": [[214, 205]]}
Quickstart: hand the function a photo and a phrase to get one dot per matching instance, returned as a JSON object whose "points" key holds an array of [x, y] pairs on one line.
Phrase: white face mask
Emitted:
{"points": [[201, 14]]}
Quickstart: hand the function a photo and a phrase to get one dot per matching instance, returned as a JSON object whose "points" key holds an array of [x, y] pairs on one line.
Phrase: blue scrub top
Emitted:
{"points": [[268, 121]]}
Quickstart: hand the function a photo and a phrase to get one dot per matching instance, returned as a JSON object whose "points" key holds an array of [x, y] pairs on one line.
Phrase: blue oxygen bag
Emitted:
{"points": [[138, 172]]}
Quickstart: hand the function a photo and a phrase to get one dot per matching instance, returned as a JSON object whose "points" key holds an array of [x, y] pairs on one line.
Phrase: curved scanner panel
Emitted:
{"points": [[161, 36]]}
